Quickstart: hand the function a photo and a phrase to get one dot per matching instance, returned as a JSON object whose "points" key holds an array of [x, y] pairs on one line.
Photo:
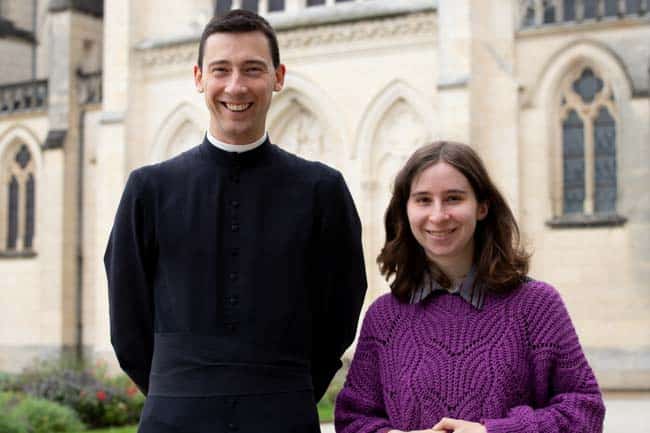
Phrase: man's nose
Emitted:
{"points": [[236, 84]]}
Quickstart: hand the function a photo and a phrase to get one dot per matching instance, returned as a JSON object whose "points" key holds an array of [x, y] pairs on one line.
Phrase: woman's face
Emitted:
{"points": [[443, 211]]}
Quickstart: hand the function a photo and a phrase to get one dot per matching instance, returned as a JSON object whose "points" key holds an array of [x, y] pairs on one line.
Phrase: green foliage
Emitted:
{"points": [[99, 400], [42, 416], [8, 424], [128, 429], [327, 403], [22, 414]]}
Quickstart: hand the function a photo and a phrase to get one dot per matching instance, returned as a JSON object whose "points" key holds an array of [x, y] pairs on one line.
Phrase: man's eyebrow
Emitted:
{"points": [[246, 62], [255, 62], [218, 62]]}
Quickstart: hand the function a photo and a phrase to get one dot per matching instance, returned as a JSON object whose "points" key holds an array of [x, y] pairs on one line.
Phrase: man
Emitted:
{"points": [[235, 270]]}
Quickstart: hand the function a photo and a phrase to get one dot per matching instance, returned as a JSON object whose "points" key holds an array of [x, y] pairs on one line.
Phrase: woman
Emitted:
{"points": [[466, 342]]}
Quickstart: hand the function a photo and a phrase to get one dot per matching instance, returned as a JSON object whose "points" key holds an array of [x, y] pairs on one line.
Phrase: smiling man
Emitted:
{"points": [[235, 269]]}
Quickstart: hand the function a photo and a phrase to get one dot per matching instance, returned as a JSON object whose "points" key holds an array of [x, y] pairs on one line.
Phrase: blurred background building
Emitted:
{"points": [[553, 94]]}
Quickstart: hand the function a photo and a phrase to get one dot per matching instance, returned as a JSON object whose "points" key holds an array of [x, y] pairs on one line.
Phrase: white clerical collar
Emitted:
{"points": [[239, 148]]}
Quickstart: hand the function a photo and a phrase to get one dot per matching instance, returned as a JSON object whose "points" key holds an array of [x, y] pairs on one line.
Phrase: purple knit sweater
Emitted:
{"points": [[516, 365]]}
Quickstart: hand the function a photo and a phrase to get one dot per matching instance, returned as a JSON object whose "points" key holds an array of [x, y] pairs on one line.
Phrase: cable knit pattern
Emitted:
{"points": [[516, 365]]}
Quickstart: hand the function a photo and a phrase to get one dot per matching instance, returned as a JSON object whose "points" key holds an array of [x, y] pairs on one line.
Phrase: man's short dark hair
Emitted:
{"points": [[240, 21]]}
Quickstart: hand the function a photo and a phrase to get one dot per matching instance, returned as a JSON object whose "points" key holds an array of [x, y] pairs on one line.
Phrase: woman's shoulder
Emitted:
{"points": [[532, 292], [385, 305], [541, 307], [381, 316]]}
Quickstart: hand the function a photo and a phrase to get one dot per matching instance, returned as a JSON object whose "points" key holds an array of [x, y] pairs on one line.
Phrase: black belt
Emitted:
{"points": [[186, 365]]}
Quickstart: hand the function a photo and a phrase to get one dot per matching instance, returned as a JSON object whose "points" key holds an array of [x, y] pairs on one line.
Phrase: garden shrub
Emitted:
{"points": [[99, 401], [42, 416], [8, 424]]}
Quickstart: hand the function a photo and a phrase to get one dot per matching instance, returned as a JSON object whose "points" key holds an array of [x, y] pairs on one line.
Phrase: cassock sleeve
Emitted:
{"points": [[129, 261], [566, 395], [342, 281]]}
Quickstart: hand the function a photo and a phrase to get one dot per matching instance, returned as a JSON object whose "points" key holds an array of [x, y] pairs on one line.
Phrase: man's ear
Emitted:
{"points": [[198, 83], [280, 72]]}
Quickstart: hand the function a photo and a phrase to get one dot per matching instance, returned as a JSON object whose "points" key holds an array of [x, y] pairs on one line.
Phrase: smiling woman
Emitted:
{"points": [[466, 342]]}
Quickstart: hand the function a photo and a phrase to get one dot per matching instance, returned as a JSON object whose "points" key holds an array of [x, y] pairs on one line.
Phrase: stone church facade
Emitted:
{"points": [[553, 94]]}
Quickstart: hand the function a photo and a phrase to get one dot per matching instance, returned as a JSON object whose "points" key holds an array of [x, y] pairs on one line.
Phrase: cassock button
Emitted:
{"points": [[234, 204], [233, 276], [231, 327], [234, 227], [232, 300], [234, 252], [233, 427], [234, 178]]}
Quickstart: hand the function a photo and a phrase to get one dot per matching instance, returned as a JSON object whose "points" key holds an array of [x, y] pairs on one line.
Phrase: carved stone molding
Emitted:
{"points": [[170, 55], [184, 50], [379, 29]]}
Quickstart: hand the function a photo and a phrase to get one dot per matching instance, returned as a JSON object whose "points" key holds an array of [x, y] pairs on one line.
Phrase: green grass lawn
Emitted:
{"points": [[325, 412], [130, 429]]}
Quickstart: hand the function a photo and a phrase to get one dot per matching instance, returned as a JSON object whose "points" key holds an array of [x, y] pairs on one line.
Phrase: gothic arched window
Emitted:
{"points": [[18, 201], [587, 124]]}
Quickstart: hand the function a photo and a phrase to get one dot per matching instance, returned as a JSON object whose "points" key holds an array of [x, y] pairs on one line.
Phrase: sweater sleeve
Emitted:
{"points": [[360, 404], [129, 260], [342, 281], [565, 393]]}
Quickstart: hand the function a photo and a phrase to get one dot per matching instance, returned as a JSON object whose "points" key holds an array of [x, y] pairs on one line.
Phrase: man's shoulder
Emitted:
{"points": [[300, 164], [176, 165]]}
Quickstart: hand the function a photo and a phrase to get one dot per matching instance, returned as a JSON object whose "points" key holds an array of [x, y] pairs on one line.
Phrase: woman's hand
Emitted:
{"points": [[418, 431], [459, 426]]}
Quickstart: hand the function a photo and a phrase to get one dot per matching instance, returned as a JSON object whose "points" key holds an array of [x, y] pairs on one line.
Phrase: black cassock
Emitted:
{"points": [[235, 284]]}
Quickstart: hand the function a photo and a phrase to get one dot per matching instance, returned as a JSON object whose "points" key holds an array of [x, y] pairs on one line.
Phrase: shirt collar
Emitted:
{"points": [[239, 148], [469, 289]]}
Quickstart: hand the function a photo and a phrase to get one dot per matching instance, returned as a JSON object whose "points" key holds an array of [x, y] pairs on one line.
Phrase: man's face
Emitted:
{"points": [[238, 79]]}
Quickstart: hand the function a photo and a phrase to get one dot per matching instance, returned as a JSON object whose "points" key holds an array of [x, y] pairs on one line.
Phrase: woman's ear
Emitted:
{"points": [[482, 210]]}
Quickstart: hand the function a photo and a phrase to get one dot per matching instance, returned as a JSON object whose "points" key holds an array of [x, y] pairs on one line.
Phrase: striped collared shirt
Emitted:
{"points": [[467, 289]]}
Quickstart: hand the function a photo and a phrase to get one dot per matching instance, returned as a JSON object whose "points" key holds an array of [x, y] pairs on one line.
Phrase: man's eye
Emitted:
{"points": [[453, 198], [423, 200], [254, 70]]}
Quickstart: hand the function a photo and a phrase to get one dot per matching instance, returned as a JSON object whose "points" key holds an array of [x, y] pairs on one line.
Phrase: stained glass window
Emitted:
{"points": [[12, 226], [611, 8], [573, 153], [223, 7], [19, 200], [250, 5], [29, 212], [588, 85], [605, 160], [23, 157], [632, 6], [589, 167], [591, 9], [276, 5], [549, 12], [569, 10]]}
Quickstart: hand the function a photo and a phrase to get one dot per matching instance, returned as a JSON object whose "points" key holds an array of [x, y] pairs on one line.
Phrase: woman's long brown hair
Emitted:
{"points": [[500, 259]]}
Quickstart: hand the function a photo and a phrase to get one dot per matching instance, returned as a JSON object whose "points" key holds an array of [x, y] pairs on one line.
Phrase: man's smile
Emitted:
{"points": [[237, 107]]}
